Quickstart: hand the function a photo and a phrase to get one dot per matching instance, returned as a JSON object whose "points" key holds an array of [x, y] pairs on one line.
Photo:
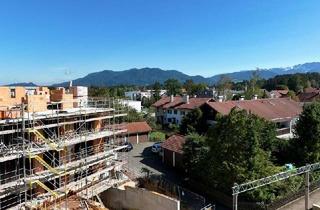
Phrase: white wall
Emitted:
{"points": [[133, 104], [179, 116]]}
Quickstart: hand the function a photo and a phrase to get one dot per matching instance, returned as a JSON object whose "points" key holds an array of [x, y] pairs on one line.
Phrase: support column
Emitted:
{"points": [[307, 189], [235, 202]]}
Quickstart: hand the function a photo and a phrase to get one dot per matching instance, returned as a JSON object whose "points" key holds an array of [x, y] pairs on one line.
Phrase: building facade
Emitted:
{"points": [[52, 147], [284, 112], [171, 110]]}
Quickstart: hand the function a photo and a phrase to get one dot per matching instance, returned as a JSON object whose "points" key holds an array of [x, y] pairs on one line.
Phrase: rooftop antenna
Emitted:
{"points": [[68, 73]]}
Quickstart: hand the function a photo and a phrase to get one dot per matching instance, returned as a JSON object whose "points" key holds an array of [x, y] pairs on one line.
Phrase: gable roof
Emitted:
{"points": [[138, 127], [165, 100], [307, 96], [279, 93], [178, 102], [275, 109], [174, 143], [193, 103]]}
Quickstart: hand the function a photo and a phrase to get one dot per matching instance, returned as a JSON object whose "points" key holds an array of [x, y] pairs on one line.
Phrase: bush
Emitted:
{"points": [[157, 136]]}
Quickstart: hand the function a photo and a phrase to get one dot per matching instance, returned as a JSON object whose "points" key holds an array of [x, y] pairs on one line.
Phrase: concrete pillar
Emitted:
{"points": [[137, 138], [173, 159], [235, 202], [307, 189]]}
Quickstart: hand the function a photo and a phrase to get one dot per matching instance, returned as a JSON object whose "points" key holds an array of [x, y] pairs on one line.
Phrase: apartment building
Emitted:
{"points": [[54, 146], [172, 109], [284, 112]]}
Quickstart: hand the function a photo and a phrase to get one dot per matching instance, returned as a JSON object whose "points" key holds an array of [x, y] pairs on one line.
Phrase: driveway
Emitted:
{"points": [[141, 156]]}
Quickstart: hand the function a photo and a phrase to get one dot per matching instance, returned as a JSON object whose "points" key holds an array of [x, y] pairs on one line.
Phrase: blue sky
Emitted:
{"points": [[52, 41]]}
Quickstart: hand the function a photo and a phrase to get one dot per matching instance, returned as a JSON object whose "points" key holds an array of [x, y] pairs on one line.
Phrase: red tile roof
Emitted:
{"points": [[138, 127], [279, 93], [164, 100], [276, 109], [178, 103], [193, 103], [174, 143], [307, 97], [311, 90]]}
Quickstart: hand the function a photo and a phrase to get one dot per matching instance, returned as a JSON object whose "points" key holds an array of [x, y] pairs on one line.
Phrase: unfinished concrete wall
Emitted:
{"points": [[60, 95], [36, 103], [10, 96], [138, 199]]}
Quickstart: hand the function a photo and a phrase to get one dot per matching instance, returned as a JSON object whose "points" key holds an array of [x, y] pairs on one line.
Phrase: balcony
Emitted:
{"points": [[283, 131]]}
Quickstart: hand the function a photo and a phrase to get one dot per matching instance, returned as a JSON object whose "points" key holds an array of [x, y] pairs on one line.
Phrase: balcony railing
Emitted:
{"points": [[282, 131]]}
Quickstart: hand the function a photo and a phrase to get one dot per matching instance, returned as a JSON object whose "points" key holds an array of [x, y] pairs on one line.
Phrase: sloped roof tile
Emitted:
{"points": [[276, 109], [174, 143]]}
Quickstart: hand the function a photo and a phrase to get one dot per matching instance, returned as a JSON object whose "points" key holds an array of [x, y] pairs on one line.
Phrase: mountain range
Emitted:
{"points": [[147, 76]]}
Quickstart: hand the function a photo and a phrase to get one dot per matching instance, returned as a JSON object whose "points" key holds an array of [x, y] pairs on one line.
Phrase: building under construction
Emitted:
{"points": [[57, 144]]}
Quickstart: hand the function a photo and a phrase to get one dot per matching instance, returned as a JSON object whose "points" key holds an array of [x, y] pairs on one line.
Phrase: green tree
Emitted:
{"points": [[157, 136], [134, 116], [253, 86], [194, 88], [156, 90], [173, 86], [224, 83], [306, 143], [194, 151], [193, 122], [189, 86], [240, 146]]}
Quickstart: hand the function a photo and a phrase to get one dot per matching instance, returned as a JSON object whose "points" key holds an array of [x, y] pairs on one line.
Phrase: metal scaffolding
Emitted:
{"points": [[238, 189], [59, 153]]}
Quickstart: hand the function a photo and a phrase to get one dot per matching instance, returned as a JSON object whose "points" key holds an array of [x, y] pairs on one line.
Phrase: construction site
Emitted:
{"points": [[59, 149]]}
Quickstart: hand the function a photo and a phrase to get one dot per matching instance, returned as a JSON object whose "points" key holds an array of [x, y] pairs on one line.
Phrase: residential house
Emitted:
{"points": [[173, 151], [136, 105], [282, 111], [309, 95], [139, 95], [171, 110], [278, 93], [138, 132]]}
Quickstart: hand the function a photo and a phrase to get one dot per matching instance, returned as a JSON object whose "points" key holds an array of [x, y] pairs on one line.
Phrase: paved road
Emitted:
{"points": [[141, 156]]}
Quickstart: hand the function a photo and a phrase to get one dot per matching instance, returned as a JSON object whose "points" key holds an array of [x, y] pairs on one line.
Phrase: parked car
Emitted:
{"points": [[156, 147], [128, 148]]}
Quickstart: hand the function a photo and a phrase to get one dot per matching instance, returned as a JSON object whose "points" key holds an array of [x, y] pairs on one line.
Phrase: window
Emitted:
{"points": [[175, 111], [169, 120], [13, 93], [169, 111], [182, 113]]}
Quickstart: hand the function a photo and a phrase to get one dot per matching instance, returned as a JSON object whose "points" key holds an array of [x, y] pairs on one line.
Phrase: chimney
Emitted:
{"points": [[220, 98], [70, 83], [171, 98], [255, 97], [241, 98], [272, 95], [186, 99]]}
